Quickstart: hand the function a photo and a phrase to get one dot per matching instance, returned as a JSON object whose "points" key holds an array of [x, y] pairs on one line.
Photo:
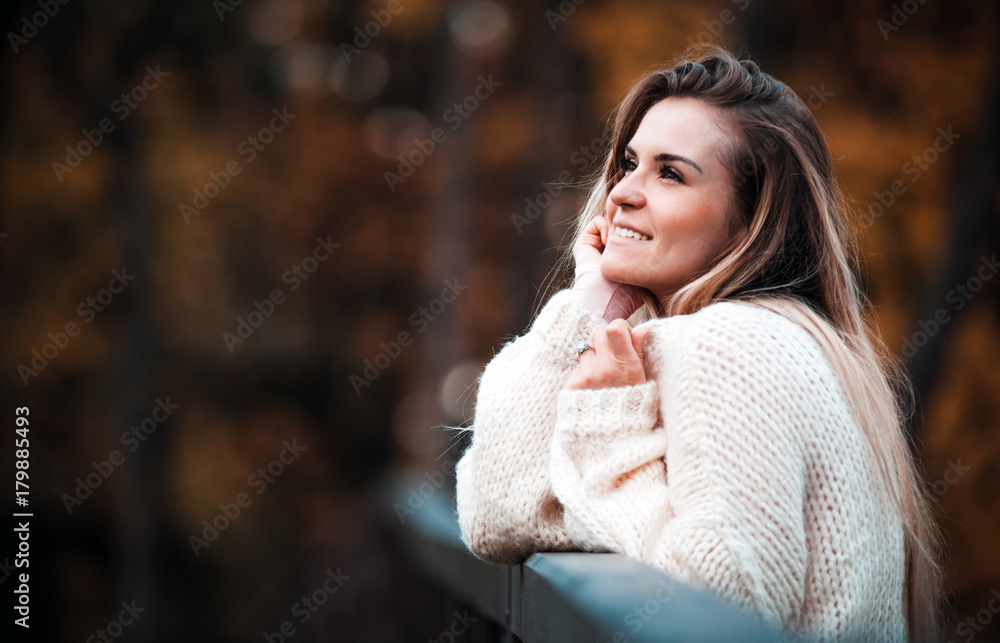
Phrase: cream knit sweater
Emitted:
{"points": [[737, 467]]}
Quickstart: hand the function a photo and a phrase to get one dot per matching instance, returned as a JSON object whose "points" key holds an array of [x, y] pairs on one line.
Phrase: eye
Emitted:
{"points": [[670, 173], [626, 164]]}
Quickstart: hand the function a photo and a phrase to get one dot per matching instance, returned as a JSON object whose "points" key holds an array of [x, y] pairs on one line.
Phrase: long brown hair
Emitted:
{"points": [[796, 259]]}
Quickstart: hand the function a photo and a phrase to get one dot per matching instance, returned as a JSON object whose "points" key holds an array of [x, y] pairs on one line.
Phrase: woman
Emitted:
{"points": [[744, 436]]}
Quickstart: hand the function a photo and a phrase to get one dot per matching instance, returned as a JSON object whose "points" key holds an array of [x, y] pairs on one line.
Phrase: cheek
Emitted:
{"points": [[693, 233], [689, 218]]}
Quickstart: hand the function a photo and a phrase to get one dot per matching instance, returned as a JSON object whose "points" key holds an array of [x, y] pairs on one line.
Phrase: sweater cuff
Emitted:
{"points": [[563, 325], [607, 413]]}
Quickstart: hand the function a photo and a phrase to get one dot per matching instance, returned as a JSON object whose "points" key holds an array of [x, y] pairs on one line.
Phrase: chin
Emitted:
{"points": [[612, 271]]}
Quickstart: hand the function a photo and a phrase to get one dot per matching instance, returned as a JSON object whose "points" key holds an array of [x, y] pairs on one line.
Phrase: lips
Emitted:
{"points": [[623, 232]]}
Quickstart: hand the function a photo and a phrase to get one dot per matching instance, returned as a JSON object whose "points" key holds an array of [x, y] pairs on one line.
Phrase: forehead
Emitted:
{"points": [[685, 126]]}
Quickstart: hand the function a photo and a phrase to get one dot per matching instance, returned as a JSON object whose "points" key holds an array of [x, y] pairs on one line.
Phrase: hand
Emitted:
{"points": [[590, 246], [615, 361], [595, 294]]}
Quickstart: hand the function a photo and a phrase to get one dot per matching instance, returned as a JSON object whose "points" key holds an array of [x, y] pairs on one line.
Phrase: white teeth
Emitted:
{"points": [[630, 234]]}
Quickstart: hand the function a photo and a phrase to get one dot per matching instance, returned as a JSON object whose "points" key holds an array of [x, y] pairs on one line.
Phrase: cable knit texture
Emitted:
{"points": [[737, 467]]}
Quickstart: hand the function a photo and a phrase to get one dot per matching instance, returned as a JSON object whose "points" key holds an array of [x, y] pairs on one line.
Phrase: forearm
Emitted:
{"points": [[506, 506], [607, 467], [689, 472]]}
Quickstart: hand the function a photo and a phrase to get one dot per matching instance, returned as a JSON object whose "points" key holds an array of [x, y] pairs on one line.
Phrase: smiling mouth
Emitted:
{"points": [[626, 233]]}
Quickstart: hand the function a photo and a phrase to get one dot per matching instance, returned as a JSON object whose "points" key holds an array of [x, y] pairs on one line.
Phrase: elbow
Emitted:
{"points": [[492, 547], [482, 523], [509, 537], [498, 535]]}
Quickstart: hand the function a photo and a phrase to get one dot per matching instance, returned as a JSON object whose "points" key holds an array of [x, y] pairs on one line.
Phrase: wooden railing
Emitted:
{"points": [[558, 597]]}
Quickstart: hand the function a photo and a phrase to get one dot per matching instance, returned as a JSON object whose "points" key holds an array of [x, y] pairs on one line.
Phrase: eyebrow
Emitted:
{"points": [[668, 157]]}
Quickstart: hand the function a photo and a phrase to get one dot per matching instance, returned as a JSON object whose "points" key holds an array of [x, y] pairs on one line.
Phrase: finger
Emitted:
{"points": [[639, 340], [591, 235], [585, 375], [588, 246], [599, 339], [599, 235], [593, 227], [602, 224], [619, 339]]}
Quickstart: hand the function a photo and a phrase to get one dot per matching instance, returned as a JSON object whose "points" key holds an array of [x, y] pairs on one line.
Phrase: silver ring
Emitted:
{"points": [[583, 346]]}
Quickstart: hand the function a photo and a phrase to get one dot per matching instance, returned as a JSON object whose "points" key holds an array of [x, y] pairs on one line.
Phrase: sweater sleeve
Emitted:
{"points": [[506, 508], [711, 488]]}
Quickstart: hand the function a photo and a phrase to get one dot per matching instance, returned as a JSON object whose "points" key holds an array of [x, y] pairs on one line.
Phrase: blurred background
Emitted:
{"points": [[255, 253]]}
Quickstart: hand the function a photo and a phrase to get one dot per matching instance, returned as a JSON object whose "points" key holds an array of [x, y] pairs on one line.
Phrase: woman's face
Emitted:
{"points": [[676, 192]]}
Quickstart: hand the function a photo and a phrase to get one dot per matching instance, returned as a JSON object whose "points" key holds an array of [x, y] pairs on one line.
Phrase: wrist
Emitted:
{"points": [[602, 298]]}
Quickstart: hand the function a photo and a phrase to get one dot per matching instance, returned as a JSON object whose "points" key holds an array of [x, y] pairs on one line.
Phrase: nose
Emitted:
{"points": [[628, 192]]}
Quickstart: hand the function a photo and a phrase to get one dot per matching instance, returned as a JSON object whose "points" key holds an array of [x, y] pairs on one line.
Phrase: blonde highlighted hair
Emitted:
{"points": [[796, 260]]}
